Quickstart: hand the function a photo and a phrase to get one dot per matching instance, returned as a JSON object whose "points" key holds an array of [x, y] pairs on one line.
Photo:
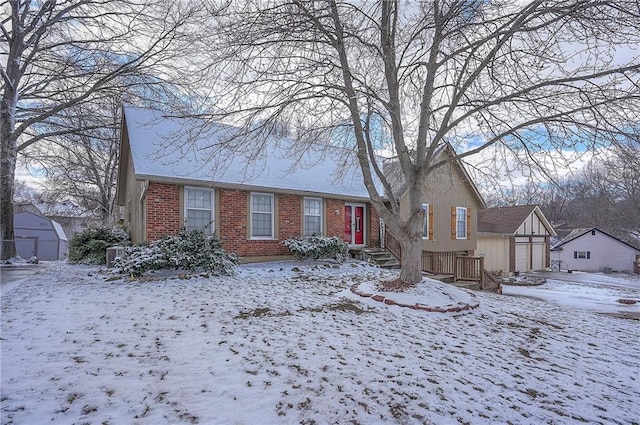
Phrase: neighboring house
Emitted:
{"points": [[39, 236], [175, 174], [594, 250], [514, 239], [70, 215]]}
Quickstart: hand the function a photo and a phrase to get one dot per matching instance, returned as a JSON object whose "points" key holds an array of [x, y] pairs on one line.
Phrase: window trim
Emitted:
{"points": [[466, 224], [425, 221], [210, 229], [582, 255], [304, 215], [273, 213]]}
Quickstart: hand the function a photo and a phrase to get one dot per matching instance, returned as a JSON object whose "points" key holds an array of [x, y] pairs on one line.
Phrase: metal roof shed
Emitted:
{"points": [[39, 236]]}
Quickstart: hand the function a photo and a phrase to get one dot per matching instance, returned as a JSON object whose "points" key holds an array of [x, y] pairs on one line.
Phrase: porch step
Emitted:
{"points": [[444, 278], [381, 257], [467, 285]]}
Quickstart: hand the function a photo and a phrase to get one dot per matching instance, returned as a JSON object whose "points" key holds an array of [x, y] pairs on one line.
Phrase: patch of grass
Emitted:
{"points": [[89, 409], [398, 410], [73, 397], [515, 325], [341, 306], [253, 313], [531, 392]]}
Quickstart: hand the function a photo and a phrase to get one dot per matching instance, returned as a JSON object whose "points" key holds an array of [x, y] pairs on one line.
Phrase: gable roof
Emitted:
{"points": [[507, 220], [395, 177], [192, 151], [27, 220], [577, 233]]}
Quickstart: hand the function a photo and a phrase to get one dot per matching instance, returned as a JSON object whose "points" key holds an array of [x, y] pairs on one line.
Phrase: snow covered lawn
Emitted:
{"points": [[592, 291], [273, 345]]}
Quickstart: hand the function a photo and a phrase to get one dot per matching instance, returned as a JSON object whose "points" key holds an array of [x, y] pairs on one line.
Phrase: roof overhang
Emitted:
{"points": [[246, 187]]}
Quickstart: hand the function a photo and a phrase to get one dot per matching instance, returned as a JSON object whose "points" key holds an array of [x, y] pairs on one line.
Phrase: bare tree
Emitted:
{"points": [[533, 78], [60, 54], [83, 164], [610, 198]]}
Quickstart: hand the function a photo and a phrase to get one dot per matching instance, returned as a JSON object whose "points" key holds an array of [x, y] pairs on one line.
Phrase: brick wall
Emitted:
{"points": [[374, 227], [232, 211], [234, 224], [335, 222], [162, 210]]}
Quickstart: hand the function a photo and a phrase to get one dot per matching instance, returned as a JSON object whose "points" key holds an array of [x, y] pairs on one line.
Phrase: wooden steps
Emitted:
{"points": [[379, 256]]}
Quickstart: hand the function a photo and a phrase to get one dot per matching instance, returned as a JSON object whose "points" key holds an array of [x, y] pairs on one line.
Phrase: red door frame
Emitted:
{"points": [[355, 224]]}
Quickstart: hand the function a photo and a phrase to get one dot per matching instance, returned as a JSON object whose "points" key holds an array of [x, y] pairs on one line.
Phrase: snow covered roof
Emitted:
{"points": [[29, 222], [193, 151]]}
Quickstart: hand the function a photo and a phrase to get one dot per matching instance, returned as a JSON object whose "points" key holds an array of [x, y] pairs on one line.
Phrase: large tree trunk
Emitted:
{"points": [[7, 178], [411, 261], [8, 138]]}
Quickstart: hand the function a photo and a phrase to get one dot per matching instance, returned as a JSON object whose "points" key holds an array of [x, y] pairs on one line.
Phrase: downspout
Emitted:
{"points": [[143, 211]]}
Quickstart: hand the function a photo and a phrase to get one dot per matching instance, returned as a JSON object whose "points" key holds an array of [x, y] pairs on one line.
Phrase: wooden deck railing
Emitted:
{"points": [[449, 263], [392, 244]]}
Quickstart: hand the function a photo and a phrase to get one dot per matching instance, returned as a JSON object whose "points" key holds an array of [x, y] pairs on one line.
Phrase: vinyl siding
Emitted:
{"points": [[446, 188], [495, 250], [604, 252]]}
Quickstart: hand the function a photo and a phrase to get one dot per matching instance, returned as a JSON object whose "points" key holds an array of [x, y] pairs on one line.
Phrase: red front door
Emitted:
{"points": [[354, 224]]}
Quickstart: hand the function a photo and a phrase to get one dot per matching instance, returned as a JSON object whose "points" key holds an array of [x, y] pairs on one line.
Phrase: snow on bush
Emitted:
{"points": [[90, 245], [315, 247], [190, 250]]}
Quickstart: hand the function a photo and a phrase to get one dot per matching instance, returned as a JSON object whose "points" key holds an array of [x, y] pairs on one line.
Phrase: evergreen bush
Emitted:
{"points": [[90, 245], [190, 250], [315, 247]]}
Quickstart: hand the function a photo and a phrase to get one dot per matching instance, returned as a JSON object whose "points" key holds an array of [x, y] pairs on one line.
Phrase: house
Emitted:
{"points": [[593, 250], [70, 215], [39, 236], [451, 202], [514, 239], [175, 173]]}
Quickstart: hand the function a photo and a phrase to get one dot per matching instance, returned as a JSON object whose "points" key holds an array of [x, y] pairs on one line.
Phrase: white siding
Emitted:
{"points": [[495, 250], [604, 251], [538, 249], [522, 256], [532, 225]]}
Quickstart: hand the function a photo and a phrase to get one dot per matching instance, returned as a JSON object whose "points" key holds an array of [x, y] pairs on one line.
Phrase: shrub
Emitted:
{"points": [[191, 250], [90, 245], [315, 247]]}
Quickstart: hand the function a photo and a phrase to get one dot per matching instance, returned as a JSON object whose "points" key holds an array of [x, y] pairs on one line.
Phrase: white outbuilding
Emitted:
{"points": [[39, 236], [593, 250]]}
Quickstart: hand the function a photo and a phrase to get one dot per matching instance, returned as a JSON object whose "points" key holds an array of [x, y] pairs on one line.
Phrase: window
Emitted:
{"points": [[461, 223], [581, 255], [261, 216], [425, 221], [312, 216], [198, 207]]}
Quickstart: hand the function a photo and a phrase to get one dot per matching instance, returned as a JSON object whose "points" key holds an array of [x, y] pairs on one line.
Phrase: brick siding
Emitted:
{"points": [[335, 222], [232, 211], [163, 210]]}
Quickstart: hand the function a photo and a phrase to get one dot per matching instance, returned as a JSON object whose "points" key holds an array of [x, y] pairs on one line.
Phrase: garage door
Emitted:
{"points": [[522, 257], [538, 256]]}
